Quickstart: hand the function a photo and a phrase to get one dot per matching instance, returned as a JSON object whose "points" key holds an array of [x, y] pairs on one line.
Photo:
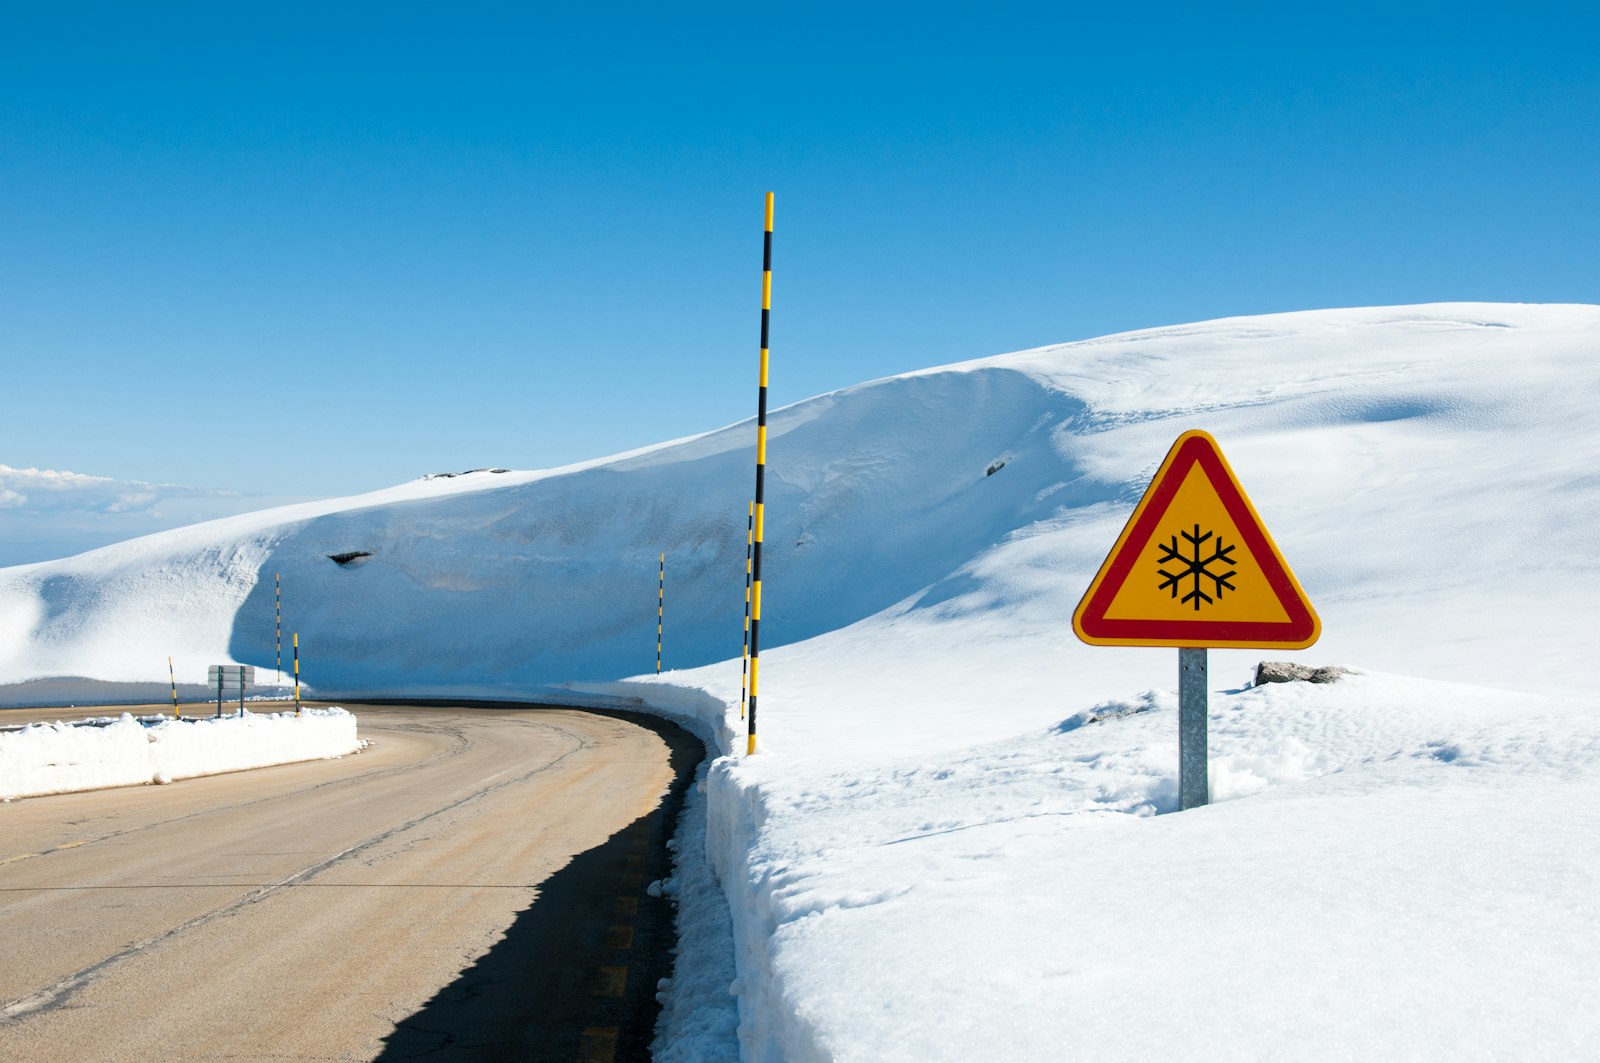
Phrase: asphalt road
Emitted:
{"points": [[473, 886]]}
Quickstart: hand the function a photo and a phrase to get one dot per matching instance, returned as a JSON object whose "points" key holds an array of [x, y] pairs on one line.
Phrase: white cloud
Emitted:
{"points": [[50, 513], [46, 491]]}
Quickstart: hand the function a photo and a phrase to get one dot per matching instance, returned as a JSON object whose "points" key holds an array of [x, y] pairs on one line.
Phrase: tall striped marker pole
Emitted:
{"points": [[744, 677], [661, 607], [277, 623], [297, 673], [176, 715], [759, 516]]}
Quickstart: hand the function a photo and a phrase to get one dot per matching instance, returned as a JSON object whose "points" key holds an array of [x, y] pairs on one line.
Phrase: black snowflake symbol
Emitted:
{"points": [[1198, 568]]}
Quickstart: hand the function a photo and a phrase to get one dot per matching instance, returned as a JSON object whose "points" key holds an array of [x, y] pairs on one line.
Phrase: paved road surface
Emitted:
{"points": [[471, 887]]}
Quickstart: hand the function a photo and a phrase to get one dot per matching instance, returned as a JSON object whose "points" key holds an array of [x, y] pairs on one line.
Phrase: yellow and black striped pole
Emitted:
{"points": [[297, 673], [661, 607], [277, 623], [176, 715], [744, 676], [759, 516]]}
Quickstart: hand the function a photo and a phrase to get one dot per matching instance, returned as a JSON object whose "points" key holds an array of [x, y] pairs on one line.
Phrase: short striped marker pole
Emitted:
{"points": [[176, 715], [277, 624], [744, 676], [759, 513], [297, 673], [661, 607]]}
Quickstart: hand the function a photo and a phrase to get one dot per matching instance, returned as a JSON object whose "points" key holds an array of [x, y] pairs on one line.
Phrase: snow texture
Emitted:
{"points": [[101, 752], [958, 839]]}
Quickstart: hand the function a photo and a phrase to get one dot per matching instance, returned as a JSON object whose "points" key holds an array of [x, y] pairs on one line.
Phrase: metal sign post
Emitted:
{"points": [[243, 674], [1193, 788]]}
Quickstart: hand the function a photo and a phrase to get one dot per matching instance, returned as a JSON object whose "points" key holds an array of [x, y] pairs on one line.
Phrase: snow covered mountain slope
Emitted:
{"points": [[955, 844], [1428, 470]]}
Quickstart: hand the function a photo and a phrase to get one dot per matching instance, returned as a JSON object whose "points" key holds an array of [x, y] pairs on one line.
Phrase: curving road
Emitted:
{"points": [[470, 887]]}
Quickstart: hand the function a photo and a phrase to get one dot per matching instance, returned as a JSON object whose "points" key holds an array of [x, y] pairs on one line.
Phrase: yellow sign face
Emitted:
{"points": [[1195, 567]]}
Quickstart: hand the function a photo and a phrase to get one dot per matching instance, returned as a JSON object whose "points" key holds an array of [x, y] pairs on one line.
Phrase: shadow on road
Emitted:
{"points": [[575, 976]]}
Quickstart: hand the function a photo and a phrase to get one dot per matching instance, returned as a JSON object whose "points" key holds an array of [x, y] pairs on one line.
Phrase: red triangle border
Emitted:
{"points": [[1195, 448]]}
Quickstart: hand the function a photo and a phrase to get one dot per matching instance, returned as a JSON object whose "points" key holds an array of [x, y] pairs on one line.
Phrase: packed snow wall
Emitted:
{"points": [[520, 581]]}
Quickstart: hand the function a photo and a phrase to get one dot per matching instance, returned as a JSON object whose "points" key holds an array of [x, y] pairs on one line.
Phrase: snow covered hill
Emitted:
{"points": [[953, 845], [1429, 469]]}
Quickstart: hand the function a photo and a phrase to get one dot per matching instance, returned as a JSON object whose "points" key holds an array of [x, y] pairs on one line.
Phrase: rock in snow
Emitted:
{"points": [[1289, 672]]}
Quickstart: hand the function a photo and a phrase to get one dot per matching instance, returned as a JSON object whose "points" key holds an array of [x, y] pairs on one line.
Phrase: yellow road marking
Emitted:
{"points": [[633, 880], [626, 907], [620, 937], [611, 982], [599, 1045], [24, 856]]}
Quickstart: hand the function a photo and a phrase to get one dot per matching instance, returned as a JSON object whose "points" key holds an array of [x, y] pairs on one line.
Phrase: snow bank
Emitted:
{"points": [[1391, 868], [700, 1014], [61, 757]]}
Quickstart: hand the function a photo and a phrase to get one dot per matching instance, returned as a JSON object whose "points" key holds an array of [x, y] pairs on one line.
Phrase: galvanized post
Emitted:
{"points": [[1193, 788], [220, 674]]}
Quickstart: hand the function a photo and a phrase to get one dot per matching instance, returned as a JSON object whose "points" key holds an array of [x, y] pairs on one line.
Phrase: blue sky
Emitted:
{"points": [[305, 250]]}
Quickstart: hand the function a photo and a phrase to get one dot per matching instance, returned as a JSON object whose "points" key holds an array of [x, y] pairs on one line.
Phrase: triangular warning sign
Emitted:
{"points": [[1195, 567]]}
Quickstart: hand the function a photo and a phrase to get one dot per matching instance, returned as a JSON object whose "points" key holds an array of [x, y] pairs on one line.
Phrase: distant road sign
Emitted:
{"points": [[1195, 567], [231, 673]]}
